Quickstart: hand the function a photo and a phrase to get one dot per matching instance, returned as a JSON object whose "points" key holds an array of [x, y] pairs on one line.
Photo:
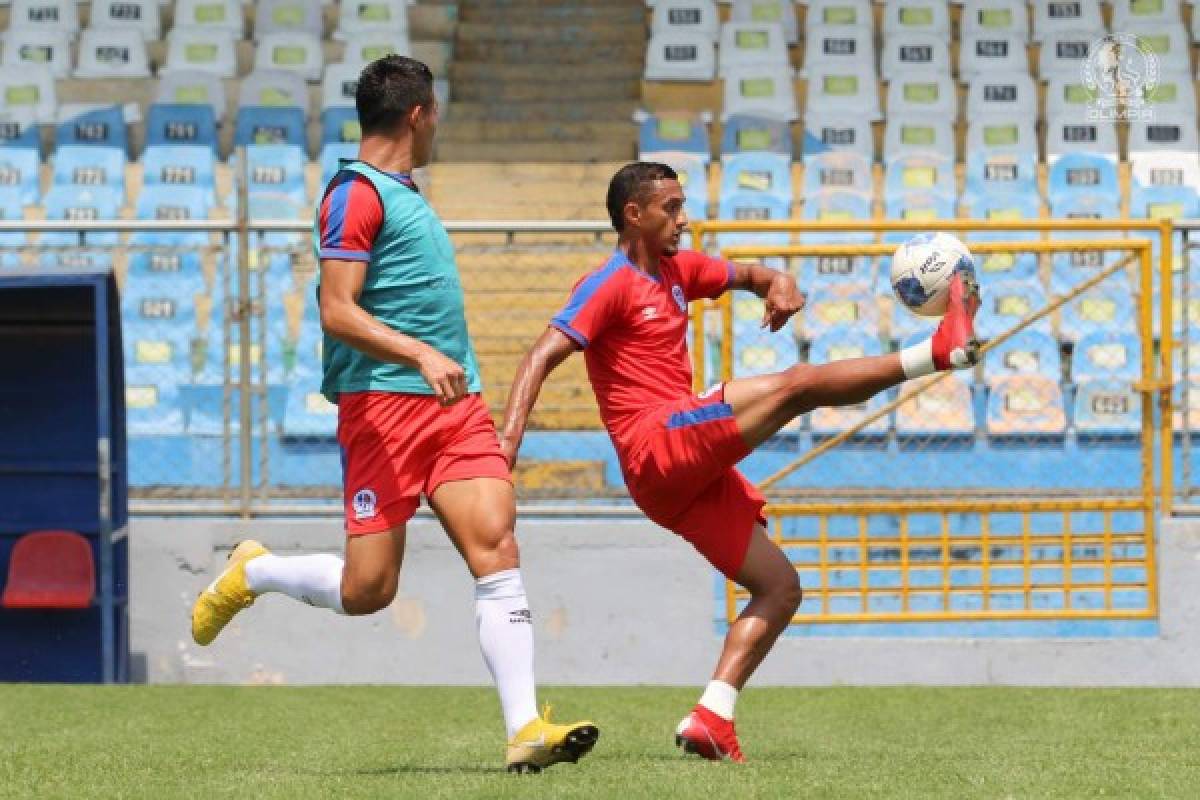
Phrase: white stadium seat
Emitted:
{"points": [[339, 84], [59, 15], [926, 92], [366, 16], [290, 51], [781, 11], [373, 45], [1169, 44], [30, 88], [274, 88], [38, 47], [767, 91], [225, 15], [1064, 53], [981, 53], [680, 56], [914, 51], [906, 134], [850, 90], [274, 16], [125, 14], [1132, 13], [1073, 134], [840, 12], [192, 87], [745, 44], [995, 18], [916, 16], [201, 50], [1011, 94], [839, 44], [1054, 16], [112, 53]]}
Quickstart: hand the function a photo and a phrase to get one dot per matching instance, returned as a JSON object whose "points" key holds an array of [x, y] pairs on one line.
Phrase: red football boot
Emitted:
{"points": [[954, 342], [709, 736]]}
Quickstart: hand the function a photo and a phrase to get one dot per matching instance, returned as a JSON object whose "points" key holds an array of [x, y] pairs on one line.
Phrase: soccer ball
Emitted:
{"points": [[922, 268]]}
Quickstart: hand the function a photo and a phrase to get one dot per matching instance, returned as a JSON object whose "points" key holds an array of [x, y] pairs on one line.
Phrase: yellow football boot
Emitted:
{"points": [[541, 744], [225, 596]]}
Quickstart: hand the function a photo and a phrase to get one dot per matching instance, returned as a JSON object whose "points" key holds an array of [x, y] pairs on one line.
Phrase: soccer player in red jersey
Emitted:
{"points": [[678, 449]]}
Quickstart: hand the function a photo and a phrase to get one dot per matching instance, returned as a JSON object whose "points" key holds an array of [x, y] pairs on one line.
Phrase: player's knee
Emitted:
{"points": [[496, 552], [366, 596], [791, 595]]}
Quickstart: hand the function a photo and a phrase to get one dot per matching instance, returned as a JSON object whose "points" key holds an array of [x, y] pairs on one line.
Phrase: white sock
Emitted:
{"points": [[917, 360], [720, 698], [315, 579], [506, 639]]}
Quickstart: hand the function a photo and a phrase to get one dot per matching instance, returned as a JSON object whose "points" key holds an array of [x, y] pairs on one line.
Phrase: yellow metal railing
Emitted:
{"points": [[906, 575]]}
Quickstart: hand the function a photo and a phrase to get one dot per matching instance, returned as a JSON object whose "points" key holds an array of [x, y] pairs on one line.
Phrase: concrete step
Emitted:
{"points": [[483, 71], [518, 52], [481, 131], [608, 110], [537, 151], [526, 14], [502, 92], [566, 31]]}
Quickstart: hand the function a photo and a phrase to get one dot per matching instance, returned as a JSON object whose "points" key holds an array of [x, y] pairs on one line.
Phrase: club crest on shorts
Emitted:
{"points": [[364, 504], [680, 300]]}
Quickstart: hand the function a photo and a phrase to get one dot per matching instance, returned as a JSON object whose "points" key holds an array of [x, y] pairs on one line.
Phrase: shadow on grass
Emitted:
{"points": [[420, 769]]}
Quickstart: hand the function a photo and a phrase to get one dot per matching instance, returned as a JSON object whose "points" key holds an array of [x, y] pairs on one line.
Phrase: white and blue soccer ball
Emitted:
{"points": [[922, 268]]}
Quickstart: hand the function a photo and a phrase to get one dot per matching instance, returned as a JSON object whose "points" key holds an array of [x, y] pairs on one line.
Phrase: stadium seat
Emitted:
{"points": [[997, 267], [831, 420], [839, 47], [1173, 136], [745, 205], [992, 171], [11, 243], [840, 308], [1173, 96], [189, 87], [919, 52], [780, 11], [162, 263], [837, 133], [358, 19], [943, 409], [81, 165], [1073, 134], [271, 125], [1067, 95], [273, 88], [995, 18], [985, 53], [153, 404], [99, 127], [39, 47], [757, 172], [292, 52], [1159, 13], [276, 168], [916, 206], [901, 17], [340, 125], [58, 15], [840, 12], [19, 177], [50, 570], [371, 46], [1068, 270], [140, 15], [112, 53], [32, 89], [920, 172], [750, 133], [208, 50], [1107, 354], [693, 179], [159, 201], [923, 93], [1002, 208], [278, 16], [308, 413], [1107, 407], [171, 124], [828, 271], [843, 92], [762, 91], [18, 129], [159, 322], [673, 133], [1009, 95], [1170, 45], [1008, 303], [1026, 405], [1164, 202], [680, 56], [752, 44], [1107, 308], [339, 85], [1079, 15], [218, 15], [838, 170], [1083, 174], [1063, 53], [1029, 352], [837, 205], [1085, 204]]}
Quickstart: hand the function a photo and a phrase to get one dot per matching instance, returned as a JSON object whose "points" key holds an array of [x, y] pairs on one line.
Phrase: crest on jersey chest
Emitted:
{"points": [[680, 300]]}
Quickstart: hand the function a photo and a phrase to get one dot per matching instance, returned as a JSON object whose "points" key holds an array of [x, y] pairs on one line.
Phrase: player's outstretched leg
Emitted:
{"points": [[775, 594], [479, 516]]}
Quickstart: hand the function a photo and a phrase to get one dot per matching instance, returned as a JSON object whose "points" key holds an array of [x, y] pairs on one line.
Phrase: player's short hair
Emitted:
{"points": [[629, 184], [388, 89]]}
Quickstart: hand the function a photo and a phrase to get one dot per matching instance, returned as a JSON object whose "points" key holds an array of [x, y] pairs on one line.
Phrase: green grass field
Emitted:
{"points": [[399, 742]]}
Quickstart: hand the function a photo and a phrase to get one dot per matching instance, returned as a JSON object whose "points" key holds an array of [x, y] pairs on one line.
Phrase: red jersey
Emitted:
{"points": [[632, 327]]}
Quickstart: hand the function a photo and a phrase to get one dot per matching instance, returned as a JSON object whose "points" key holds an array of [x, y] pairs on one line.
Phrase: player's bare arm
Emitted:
{"points": [[782, 296], [551, 349], [344, 319]]}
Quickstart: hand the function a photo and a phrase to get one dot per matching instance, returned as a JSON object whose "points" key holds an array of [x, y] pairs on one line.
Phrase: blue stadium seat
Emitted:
{"points": [[1026, 406], [161, 346], [825, 133], [163, 263], [758, 172], [921, 172], [153, 405], [1028, 353], [686, 133], [176, 123], [745, 205], [331, 155], [20, 175], [916, 207], [1068, 270], [944, 409], [747, 133], [837, 206], [1087, 174], [837, 271], [1107, 407], [999, 171], [181, 165], [276, 168], [1086, 205], [18, 129], [838, 308], [1002, 207], [1106, 308], [1158, 202], [340, 125], [1107, 354], [271, 125], [838, 169], [1007, 303], [308, 413], [104, 127], [81, 165], [85, 204], [165, 202]]}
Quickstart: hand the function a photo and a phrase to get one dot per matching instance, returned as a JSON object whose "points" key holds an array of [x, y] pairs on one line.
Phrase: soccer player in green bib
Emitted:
{"points": [[399, 364]]}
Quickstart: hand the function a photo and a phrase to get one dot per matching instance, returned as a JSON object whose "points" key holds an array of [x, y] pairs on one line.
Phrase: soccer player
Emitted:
{"points": [[400, 366], [677, 449]]}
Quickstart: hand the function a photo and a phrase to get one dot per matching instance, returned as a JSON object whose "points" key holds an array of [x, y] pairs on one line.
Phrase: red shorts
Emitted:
{"points": [[396, 447], [682, 475]]}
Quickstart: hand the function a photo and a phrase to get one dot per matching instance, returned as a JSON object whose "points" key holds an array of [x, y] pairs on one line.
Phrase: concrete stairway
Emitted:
{"points": [[540, 80]]}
